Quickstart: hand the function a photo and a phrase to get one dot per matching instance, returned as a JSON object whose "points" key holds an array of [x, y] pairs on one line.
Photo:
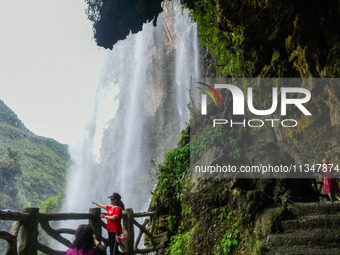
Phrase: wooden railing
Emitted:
{"points": [[23, 237]]}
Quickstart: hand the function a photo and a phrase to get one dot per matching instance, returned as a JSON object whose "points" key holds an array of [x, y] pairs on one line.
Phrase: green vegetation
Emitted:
{"points": [[223, 47], [32, 168], [171, 223], [214, 137], [171, 174], [207, 224], [180, 243], [93, 9], [52, 204], [230, 239], [173, 196]]}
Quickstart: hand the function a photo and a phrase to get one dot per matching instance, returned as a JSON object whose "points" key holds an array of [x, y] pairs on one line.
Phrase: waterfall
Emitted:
{"points": [[139, 111]]}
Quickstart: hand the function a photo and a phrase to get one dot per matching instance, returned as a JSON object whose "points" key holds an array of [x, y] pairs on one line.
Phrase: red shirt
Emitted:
{"points": [[114, 226]]}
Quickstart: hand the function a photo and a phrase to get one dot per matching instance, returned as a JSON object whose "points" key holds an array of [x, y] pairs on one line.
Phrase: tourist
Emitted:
{"points": [[330, 186], [113, 216], [85, 243]]}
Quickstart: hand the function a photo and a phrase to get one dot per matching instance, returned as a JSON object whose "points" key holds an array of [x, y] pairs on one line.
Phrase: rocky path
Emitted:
{"points": [[314, 229]]}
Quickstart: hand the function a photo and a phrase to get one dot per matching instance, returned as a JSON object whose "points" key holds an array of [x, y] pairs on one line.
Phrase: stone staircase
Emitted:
{"points": [[313, 229]]}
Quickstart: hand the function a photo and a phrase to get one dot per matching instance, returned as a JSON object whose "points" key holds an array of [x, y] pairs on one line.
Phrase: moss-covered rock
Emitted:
{"points": [[304, 34], [261, 39]]}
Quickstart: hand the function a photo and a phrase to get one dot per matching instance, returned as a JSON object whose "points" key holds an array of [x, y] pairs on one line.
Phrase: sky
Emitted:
{"points": [[49, 65]]}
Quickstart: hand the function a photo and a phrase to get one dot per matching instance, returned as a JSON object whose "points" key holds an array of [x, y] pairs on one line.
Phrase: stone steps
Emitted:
{"points": [[302, 250], [315, 208], [309, 238], [311, 222], [313, 229]]}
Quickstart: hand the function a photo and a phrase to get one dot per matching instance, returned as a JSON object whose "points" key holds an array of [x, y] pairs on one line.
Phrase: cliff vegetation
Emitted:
{"points": [[251, 39], [32, 168]]}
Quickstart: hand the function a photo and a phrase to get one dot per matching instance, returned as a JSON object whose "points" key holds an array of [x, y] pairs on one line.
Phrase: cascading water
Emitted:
{"points": [[139, 111]]}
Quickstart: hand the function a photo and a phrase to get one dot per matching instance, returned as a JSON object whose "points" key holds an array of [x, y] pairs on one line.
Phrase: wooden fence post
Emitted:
{"points": [[128, 225], [95, 222], [12, 245], [28, 235]]}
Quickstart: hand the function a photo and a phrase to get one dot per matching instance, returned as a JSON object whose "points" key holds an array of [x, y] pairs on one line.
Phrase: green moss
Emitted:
{"points": [[230, 239], [184, 137], [215, 137], [180, 243], [171, 178], [222, 46]]}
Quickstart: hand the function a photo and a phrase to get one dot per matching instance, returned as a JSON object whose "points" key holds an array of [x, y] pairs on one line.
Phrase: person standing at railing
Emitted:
{"points": [[86, 243], [113, 216]]}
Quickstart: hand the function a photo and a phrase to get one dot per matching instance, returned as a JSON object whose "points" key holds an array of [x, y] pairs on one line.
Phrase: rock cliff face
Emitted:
{"points": [[305, 34], [282, 39], [278, 39]]}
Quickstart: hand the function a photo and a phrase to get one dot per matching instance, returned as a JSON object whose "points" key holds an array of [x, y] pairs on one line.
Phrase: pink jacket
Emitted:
{"points": [[76, 251]]}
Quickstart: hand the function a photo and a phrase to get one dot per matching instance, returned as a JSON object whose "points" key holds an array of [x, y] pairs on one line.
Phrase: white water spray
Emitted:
{"points": [[139, 111]]}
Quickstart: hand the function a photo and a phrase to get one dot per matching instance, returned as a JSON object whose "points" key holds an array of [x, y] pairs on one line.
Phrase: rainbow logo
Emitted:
{"points": [[209, 93]]}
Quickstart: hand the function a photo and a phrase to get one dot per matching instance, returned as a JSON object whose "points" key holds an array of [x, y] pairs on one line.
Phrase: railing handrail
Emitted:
{"points": [[65, 216], [29, 218], [12, 215]]}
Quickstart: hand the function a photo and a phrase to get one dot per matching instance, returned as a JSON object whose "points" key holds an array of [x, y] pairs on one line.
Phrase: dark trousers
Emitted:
{"points": [[112, 243]]}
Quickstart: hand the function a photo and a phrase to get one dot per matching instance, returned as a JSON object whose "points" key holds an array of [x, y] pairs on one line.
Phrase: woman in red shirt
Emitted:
{"points": [[114, 217]]}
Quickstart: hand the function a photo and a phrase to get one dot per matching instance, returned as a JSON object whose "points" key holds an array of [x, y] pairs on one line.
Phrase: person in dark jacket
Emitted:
{"points": [[86, 243]]}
